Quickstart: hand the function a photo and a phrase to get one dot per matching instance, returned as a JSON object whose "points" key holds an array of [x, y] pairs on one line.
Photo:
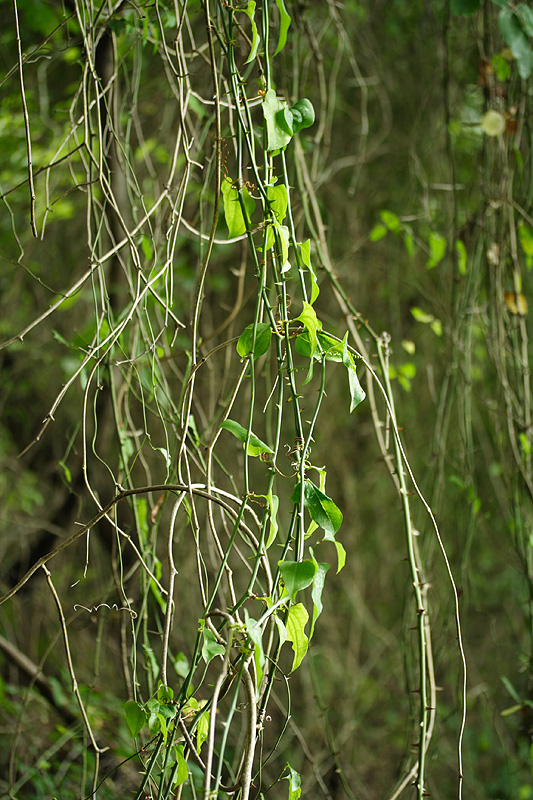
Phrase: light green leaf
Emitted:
{"points": [[297, 575], [378, 232], [233, 209], [321, 508], [318, 587], [421, 316], [136, 716], [437, 249], [256, 635], [202, 730], [211, 647], [250, 11], [525, 234], [255, 445], [357, 394], [460, 249], [245, 345], [279, 200], [182, 773], [296, 622], [341, 556], [284, 23], [276, 126], [294, 783], [273, 502], [305, 250], [311, 323], [391, 221]]}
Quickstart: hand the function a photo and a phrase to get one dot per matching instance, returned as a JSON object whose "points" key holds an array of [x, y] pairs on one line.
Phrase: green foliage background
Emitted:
{"points": [[140, 349]]}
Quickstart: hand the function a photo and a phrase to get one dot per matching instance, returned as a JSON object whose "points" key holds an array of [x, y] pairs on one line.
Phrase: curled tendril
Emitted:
{"points": [[114, 607]]}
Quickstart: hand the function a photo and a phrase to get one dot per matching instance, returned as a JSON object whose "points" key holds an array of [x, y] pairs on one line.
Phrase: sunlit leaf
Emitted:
{"points": [[250, 11], [255, 445], [233, 209], [182, 772], [279, 199], [305, 250], [294, 783], [296, 622], [297, 575], [277, 134]]}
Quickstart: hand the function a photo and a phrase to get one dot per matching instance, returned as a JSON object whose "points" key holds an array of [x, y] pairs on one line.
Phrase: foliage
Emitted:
{"points": [[194, 194]]}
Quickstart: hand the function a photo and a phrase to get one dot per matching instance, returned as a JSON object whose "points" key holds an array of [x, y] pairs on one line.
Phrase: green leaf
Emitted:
{"points": [[318, 587], [303, 115], [284, 23], [510, 688], [294, 783], [296, 622], [183, 772], [305, 250], [378, 232], [279, 200], [273, 502], [421, 316], [514, 36], [526, 15], [297, 575], [465, 7], [263, 335], [311, 323], [341, 556], [357, 394], [391, 221], [321, 508], [437, 249], [256, 635], [255, 445], [233, 214], [202, 730], [211, 647], [525, 234], [250, 11], [136, 716], [460, 249], [332, 349], [276, 126]]}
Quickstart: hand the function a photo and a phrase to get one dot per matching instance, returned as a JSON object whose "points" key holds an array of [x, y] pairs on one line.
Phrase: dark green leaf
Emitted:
{"points": [[321, 508], [465, 7], [303, 115], [245, 345], [297, 575], [514, 36]]}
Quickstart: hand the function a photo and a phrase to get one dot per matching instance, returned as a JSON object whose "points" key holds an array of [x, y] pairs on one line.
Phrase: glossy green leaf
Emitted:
{"points": [[210, 647], [255, 445], [136, 716], [263, 335], [297, 575], [284, 23], [515, 36], [321, 508], [233, 209], [303, 115], [296, 622]]}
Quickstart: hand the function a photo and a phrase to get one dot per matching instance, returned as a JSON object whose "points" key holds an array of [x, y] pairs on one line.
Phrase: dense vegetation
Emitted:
{"points": [[266, 441]]}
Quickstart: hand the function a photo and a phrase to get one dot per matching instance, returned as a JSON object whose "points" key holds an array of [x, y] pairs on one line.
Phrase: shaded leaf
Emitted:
{"points": [[321, 508], [255, 445], [263, 335], [211, 647], [136, 716]]}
